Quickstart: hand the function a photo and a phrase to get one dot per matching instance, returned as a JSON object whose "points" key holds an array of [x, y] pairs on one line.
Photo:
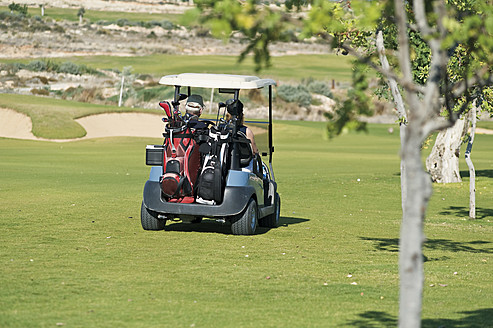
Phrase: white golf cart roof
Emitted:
{"points": [[216, 81]]}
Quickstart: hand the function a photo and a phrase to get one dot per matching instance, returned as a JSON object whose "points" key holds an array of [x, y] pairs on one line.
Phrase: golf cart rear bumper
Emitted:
{"points": [[235, 200]]}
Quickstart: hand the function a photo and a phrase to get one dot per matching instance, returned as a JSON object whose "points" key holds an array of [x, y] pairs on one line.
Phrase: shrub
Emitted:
{"points": [[12, 68], [125, 22], [37, 66], [320, 88], [37, 26], [40, 92], [70, 68], [59, 29], [167, 25], [102, 32], [299, 94]]}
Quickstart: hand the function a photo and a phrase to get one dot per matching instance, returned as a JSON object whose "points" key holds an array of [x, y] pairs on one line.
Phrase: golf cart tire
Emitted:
{"points": [[150, 220], [272, 220], [198, 219], [246, 222]]}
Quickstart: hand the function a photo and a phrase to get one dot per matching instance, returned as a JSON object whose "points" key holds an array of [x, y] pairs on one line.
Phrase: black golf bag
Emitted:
{"points": [[210, 184]]}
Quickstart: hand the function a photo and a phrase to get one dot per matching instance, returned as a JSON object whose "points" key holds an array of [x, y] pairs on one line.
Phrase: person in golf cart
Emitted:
{"points": [[235, 108], [194, 107]]}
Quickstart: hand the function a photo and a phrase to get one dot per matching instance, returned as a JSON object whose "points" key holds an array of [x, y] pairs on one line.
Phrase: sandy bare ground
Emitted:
{"points": [[18, 126]]}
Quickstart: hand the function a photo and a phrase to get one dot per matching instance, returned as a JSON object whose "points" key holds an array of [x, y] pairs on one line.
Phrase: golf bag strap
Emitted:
{"points": [[183, 183], [181, 135]]}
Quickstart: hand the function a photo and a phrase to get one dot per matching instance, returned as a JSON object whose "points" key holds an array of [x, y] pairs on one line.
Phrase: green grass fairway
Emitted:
{"points": [[73, 252], [95, 16], [284, 68]]}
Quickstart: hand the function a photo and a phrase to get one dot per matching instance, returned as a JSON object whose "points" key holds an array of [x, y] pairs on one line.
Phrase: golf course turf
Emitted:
{"points": [[73, 252]]}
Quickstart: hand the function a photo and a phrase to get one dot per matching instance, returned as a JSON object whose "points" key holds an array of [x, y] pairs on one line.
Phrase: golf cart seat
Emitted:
{"points": [[246, 151]]}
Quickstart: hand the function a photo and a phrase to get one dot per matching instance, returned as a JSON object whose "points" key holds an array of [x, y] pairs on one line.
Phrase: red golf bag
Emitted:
{"points": [[181, 164]]}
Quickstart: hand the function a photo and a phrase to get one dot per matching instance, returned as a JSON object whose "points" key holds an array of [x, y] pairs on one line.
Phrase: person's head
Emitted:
{"points": [[235, 108], [194, 105]]}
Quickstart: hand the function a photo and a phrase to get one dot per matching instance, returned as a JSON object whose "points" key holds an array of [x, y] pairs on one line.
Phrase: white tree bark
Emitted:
{"points": [[443, 161], [399, 106], [424, 117], [470, 165], [412, 237]]}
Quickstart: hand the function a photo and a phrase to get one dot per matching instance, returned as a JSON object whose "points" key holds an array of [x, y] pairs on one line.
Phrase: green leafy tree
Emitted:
{"points": [[22, 9], [81, 14], [413, 55]]}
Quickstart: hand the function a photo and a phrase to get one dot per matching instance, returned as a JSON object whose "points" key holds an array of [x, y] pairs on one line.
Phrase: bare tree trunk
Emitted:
{"points": [[472, 172], [443, 161], [399, 106], [411, 270]]}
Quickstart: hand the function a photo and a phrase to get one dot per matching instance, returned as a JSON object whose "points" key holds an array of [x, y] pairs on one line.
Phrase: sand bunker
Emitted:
{"points": [[15, 125], [123, 124], [19, 126]]}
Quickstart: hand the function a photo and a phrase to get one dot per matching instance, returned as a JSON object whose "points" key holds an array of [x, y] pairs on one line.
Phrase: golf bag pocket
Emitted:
{"points": [[174, 185], [205, 189], [210, 183], [173, 166]]}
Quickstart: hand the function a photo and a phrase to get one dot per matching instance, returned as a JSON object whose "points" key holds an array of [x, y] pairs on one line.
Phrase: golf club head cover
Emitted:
{"points": [[167, 108]]}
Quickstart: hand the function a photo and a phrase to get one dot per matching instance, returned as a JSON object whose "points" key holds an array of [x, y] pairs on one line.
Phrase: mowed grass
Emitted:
{"points": [[73, 252], [284, 69], [95, 16]]}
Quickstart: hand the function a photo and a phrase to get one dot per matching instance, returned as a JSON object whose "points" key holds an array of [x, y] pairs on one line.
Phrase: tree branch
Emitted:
{"points": [[388, 73], [421, 21], [404, 55], [396, 94], [436, 124], [459, 88]]}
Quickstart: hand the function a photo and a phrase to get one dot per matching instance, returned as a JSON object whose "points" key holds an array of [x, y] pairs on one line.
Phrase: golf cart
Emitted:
{"points": [[206, 167]]}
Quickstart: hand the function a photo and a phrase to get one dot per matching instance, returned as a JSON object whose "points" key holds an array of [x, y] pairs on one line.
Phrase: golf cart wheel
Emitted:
{"points": [[150, 220], [246, 222], [198, 219], [272, 220]]}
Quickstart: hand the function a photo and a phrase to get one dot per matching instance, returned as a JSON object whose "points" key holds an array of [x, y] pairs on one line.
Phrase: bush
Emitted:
{"points": [[299, 94], [12, 68], [40, 92], [59, 29], [39, 27], [72, 68], [125, 22], [69, 68], [6, 16], [167, 25], [320, 88], [37, 66]]}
